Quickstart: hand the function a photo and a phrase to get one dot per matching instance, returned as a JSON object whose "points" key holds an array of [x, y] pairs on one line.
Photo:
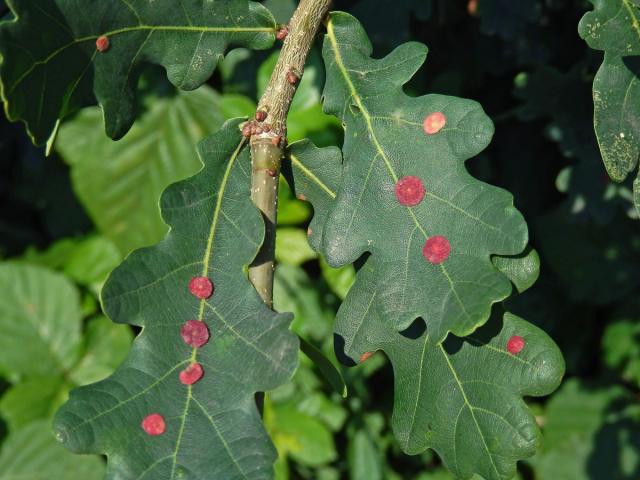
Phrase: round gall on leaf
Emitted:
{"points": [[515, 344], [365, 356], [201, 287], [436, 249], [434, 122], [409, 191], [195, 333], [472, 7], [191, 374], [154, 424], [102, 43]]}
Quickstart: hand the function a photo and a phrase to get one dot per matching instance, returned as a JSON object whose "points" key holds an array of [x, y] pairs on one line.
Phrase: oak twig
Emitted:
{"points": [[268, 132]]}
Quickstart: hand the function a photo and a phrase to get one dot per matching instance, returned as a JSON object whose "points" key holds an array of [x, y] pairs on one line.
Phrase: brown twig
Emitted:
{"points": [[268, 132]]}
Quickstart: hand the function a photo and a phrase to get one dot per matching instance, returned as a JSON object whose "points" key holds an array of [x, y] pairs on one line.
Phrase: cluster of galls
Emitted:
{"points": [[257, 127]]}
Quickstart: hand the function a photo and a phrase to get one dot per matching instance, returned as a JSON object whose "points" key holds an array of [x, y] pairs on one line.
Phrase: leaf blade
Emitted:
{"points": [[385, 141], [215, 231]]}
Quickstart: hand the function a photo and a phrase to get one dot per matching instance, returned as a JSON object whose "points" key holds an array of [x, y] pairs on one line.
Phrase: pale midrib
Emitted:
{"points": [[381, 152], [222, 439], [205, 271], [418, 390], [309, 174], [470, 407], [634, 20], [137, 28]]}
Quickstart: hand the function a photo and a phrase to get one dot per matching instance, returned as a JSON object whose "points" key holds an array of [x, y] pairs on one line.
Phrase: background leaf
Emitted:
{"points": [[120, 182], [613, 27], [591, 432], [39, 321], [473, 416], [32, 452]]}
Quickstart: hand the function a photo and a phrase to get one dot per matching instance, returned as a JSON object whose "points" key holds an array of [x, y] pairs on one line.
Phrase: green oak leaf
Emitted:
{"points": [[213, 428], [384, 142], [119, 183], [314, 174], [523, 270], [45, 77], [614, 27], [462, 395]]}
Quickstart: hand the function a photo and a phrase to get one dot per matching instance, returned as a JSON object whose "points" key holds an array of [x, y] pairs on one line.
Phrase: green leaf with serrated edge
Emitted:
{"points": [[213, 429], [32, 453], [462, 397], [40, 321], [119, 183], [614, 27], [384, 142], [45, 77], [456, 379], [314, 174]]}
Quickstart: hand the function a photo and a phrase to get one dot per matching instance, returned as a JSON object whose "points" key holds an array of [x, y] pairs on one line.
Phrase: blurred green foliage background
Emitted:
{"points": [[68, 220]]}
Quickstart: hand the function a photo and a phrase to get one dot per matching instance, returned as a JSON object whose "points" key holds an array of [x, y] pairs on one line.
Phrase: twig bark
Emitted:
{"points": [[268, 138]]}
